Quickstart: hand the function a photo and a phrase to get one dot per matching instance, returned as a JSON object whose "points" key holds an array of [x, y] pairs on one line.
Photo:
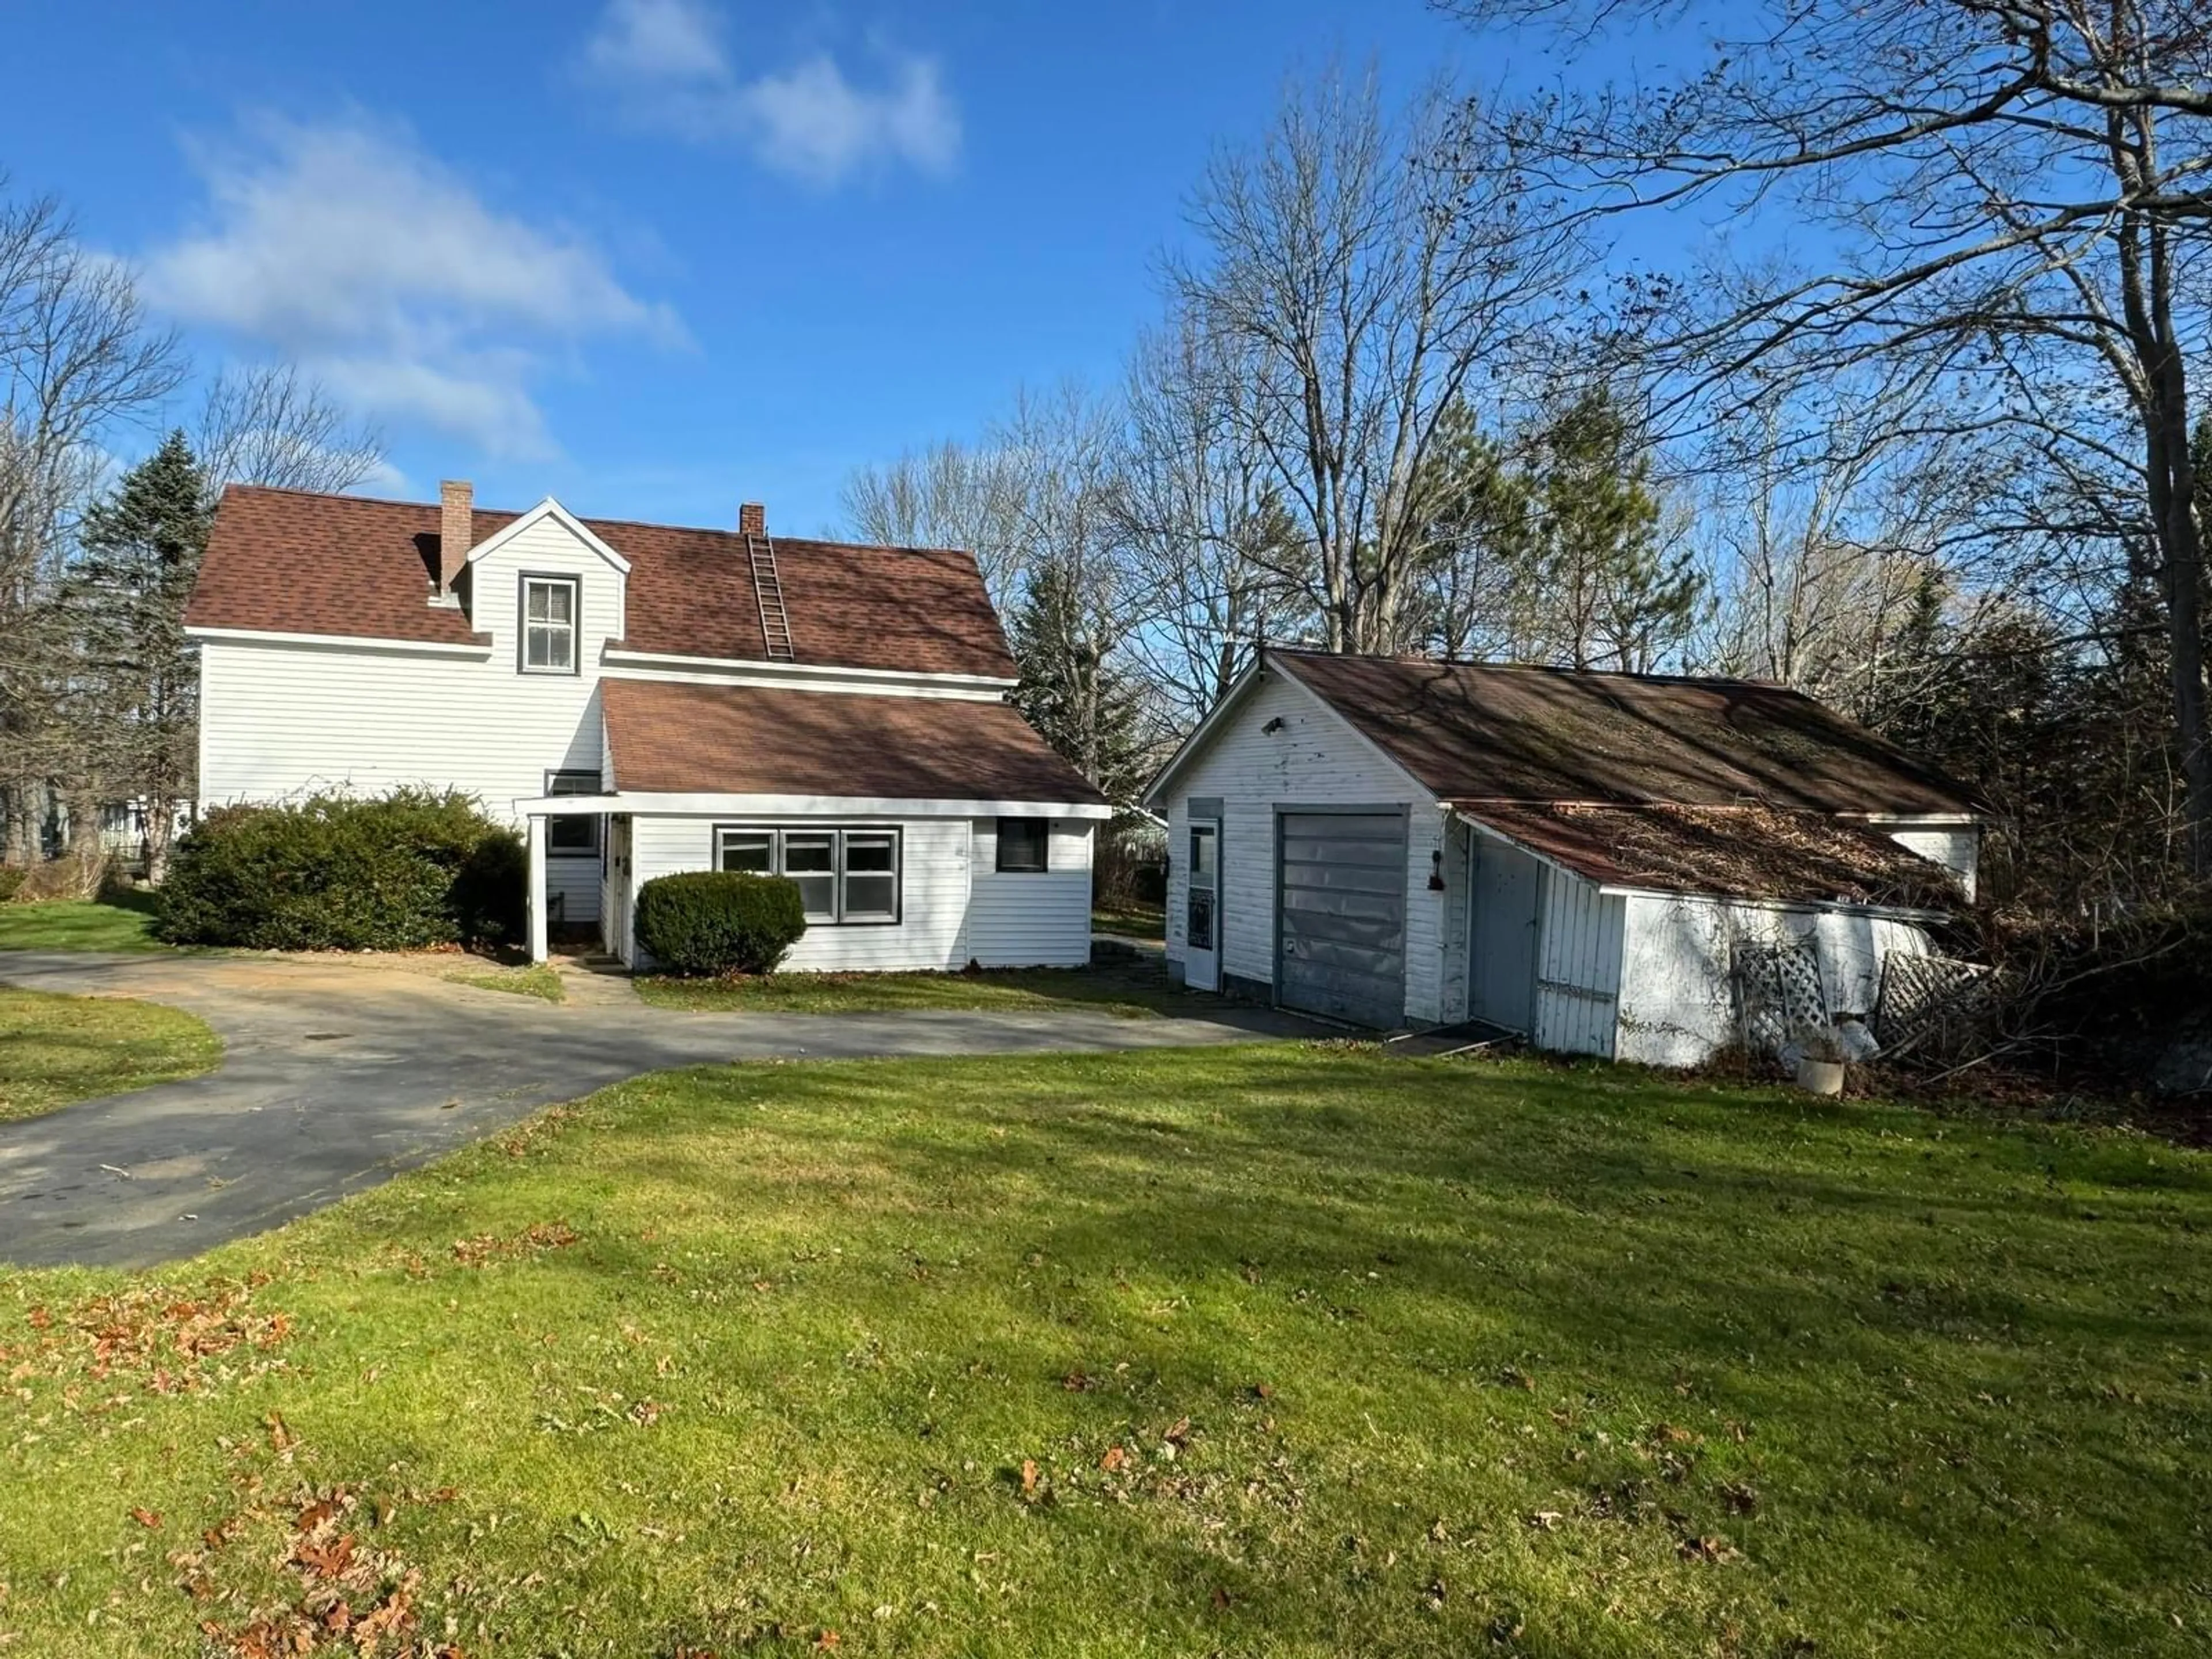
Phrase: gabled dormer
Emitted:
{"points": [[546, 588]]}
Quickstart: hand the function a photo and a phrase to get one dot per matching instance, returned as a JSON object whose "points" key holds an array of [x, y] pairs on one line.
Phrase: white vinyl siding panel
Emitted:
{"points": [[278, 722], [1314, 760], [1677, 1003], [1036, 919], [931, 933]]}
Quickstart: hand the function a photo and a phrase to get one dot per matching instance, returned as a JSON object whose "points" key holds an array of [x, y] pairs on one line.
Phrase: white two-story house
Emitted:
{"points": [[642, 699]]}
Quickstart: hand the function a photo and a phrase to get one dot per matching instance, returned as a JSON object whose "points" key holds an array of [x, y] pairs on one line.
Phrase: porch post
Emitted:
{"points": [[538, 887]]}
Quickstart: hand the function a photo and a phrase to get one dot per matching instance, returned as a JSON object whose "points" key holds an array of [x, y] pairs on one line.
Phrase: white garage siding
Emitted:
{"points": [[279, 721], [1957, 849], [1578, 966], [1313, 760], [1677, 1003], [1031, 919]]}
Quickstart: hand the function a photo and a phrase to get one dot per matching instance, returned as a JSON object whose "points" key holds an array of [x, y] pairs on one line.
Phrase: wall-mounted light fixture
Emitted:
{"points": [[1437, 871], [1272, 726]]}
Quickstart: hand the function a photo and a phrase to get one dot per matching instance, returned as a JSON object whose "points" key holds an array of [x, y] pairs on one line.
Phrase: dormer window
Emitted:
{"points": [[549, 624]]}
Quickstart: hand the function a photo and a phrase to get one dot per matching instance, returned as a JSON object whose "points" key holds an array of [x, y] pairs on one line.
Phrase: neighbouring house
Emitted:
{"points": [[643, 699], [1577, 857]]}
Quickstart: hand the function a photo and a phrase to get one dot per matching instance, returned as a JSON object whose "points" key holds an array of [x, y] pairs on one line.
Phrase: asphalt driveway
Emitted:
{"points": [[337, 1077]]}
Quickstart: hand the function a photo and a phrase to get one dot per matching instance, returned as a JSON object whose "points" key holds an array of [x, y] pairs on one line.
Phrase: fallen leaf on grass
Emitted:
{"points": [[1114, 1458], [1029, 1477], [1708, 1549], [149, 1519]]}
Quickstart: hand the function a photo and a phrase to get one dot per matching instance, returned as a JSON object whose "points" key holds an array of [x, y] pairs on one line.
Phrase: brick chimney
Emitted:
{"points": [[456, 530], [752, 518]]}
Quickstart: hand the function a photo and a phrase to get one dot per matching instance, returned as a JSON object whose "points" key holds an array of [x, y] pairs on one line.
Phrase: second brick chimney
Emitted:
{"points": [[456, 530], [752, 518]]}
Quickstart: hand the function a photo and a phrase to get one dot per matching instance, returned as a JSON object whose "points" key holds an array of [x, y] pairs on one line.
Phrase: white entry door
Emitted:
{"points": [[1201, 933]]}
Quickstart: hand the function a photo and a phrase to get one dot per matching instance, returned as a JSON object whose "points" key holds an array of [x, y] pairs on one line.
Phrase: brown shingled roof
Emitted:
{"points": [[1486, 731], [304, 564], [669, 737], [1741, 852]]}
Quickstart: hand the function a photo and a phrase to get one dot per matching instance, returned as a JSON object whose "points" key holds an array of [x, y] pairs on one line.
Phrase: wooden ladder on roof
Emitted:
{"points": [[768, 588]]}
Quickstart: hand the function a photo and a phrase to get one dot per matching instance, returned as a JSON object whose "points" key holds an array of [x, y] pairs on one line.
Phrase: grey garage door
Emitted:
{"points": [[1340, 887]]}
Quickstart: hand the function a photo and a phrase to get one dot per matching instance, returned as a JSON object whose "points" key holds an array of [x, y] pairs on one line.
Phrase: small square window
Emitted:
{"points": [[578, 836], [1023, 844], [549, 624]]}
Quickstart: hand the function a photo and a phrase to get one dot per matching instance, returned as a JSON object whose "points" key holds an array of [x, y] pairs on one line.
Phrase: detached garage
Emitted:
{"points": [[1576, 857]]}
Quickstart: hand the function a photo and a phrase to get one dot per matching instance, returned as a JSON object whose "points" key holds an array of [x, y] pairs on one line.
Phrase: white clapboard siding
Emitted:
{"points": [[931, 933], [1033, 919], [1958, 850], [280, 721], [1677, 1003], [1313, 760], [1578, 965]]}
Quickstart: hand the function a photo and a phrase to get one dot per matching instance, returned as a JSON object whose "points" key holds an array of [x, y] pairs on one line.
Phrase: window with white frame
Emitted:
{"points": [[846, 877], [549, 624], [577, 836]]}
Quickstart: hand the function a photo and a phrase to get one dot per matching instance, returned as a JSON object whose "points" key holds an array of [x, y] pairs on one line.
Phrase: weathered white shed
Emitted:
{"points": [[1577, 857]]}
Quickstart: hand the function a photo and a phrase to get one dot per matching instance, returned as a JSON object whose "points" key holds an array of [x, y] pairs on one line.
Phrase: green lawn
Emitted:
{"points": [[1133, 993], [1257, 1351], [1130, 921], [78, 925], [55, 1049], [539, 980]]}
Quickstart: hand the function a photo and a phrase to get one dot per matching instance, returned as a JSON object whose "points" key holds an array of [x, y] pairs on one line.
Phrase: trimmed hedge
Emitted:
{"points": [[396, 872], [11, 877], [719, 921]]}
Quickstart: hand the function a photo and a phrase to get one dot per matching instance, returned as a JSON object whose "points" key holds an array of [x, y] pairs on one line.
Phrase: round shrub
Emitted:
{"points": [[720, 921], [400, 871], [11, 877]]}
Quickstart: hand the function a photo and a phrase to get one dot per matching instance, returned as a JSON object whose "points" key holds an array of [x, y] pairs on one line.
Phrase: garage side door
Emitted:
{"points": [[1341, 887]]}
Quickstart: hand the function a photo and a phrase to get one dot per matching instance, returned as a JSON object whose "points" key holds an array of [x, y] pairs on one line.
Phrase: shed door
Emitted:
{"points": [[1340, 890], [1501, 966]]}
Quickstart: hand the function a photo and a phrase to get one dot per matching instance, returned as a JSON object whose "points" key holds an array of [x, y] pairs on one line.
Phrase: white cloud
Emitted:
{"points": [[668, 65], [380, 272], [657, 40]]}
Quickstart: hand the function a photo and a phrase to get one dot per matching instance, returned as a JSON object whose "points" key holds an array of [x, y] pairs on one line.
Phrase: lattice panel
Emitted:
{"points": [[1937, 1003], [1780, 998]]}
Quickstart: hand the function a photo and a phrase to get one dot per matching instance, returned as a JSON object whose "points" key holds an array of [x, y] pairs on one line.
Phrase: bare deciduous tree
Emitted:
{"points": [[2016, 195], [1211, 545], [949, 495], [1365, 270], [78, 358], [269, 424]]}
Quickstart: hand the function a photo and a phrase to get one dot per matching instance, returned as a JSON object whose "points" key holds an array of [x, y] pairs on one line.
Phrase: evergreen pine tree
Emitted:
{"points": [[134, 695], [1608, 593], [1082, 702]]}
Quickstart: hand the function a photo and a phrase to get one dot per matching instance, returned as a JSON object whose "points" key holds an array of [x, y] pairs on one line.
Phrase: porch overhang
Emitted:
{"points": [[874, 807]]}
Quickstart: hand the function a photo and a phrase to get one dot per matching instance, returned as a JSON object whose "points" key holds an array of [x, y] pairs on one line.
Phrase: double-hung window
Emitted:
{"points": [[1023, 844], [846, 876], [549, 624], [577, 836]]}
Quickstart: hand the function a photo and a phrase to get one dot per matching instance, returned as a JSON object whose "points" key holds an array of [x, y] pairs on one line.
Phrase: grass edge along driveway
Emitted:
{"points": [[1292, 1349], [57, 1050]]}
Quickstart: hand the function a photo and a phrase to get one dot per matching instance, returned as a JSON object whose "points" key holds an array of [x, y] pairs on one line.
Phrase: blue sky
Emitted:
{"points": [[656, 256]]}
